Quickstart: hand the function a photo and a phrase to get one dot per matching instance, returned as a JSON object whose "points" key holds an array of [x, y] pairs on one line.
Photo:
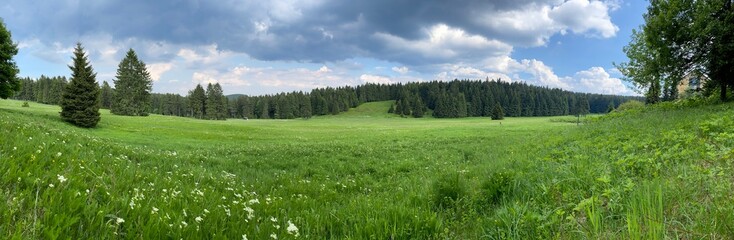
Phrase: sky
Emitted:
{"points": [[257, 47]]}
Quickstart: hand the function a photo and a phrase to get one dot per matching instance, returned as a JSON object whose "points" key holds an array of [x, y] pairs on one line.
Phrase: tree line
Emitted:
{"points": [[453, 99]]}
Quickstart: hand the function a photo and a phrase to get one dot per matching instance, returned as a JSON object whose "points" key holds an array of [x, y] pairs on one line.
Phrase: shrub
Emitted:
{"points": [[630, 105], [25, 104]]}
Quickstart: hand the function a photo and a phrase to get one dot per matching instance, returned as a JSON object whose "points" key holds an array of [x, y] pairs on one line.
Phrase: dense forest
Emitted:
{"points": [[454, 99]]}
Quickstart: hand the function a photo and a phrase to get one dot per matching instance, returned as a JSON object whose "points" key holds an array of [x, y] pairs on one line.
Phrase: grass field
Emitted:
{"points": [[664, 172]]}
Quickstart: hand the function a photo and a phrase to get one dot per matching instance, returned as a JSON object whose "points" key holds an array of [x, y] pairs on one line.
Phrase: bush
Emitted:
{"points": [[25, 104], [630, 105], [448, 190]]}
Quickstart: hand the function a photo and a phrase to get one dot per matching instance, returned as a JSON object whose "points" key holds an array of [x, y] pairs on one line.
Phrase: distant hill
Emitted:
{"points": [[234, 96]]}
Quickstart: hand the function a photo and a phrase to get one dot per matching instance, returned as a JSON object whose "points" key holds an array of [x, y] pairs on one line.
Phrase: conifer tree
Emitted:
{"points": [[391, 109], [399, 107], [215, 102], [132, 87], [406, 107], [498, 113], [9, 82], [417, 107], [107, 95], [80, 100], [197, 102]]}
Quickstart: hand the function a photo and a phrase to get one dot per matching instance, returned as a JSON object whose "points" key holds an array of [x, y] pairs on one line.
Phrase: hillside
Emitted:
{"points": [[660, 172]]}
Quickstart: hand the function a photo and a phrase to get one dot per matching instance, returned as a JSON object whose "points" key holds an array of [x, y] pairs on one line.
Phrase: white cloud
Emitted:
{"points": [[158, 69], [324, 69], [597, 80], [205, 55], [368, 78], [584, 16], [462, 72], [401, 70], [542, 73], [443, 43]]}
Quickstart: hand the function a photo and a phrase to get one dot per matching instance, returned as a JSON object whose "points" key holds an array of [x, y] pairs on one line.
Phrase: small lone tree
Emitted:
{"points": [[80, 100], [498, 113], [9, 83]]}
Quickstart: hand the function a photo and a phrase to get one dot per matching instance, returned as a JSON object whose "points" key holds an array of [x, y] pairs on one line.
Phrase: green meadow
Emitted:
{"points": [[658, 172]]}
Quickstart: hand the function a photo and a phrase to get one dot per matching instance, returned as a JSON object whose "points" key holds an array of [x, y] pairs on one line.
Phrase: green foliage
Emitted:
{"points": [[106, 96], [216, 103], [132, 88], [681, 37], [80, 100], [498, 113], [197, 102], [9, 82], [630, 105], [25, 104]]}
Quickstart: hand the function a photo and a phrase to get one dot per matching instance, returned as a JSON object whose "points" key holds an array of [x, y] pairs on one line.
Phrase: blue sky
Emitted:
{"points": [[265, 47]]}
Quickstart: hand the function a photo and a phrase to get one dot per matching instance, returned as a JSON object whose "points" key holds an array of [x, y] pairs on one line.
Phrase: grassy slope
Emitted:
{"points": [[364, 174]]}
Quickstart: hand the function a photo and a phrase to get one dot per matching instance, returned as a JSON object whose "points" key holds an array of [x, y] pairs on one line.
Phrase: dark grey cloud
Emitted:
{"points": [[308, 31]]}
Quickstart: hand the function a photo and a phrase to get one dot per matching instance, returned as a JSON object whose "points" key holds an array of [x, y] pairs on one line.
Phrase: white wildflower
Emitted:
{"points": [[273, 219], [61, 178], [58, 154], [292, 229], [206, 211], [244, 236], [51, 185], [253, 201], [154, 211], [198, 219], [119, 220], [184, 224], [272, 235]]}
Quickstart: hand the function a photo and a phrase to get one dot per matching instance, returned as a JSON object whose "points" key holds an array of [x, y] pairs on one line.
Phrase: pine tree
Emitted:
{"points": [[215, 105], [80, 100], [9, 82], [106, 97], [399, 107], [197, 102], [406, 107], [498, 113], [417, 107], [391, 109], [132, 87]]}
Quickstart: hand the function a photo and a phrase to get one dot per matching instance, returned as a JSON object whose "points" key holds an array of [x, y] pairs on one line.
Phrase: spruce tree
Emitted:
{"points": [[107, 95], [391, 109], [215, 102], [80, 100], [132, 87], [197, 102], [399, 107], [406, 107], [417, 107], [498, 113], [9, 83]]}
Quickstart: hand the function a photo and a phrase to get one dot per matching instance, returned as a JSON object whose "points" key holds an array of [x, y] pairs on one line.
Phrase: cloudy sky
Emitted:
{"points": [[262, 47]]}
